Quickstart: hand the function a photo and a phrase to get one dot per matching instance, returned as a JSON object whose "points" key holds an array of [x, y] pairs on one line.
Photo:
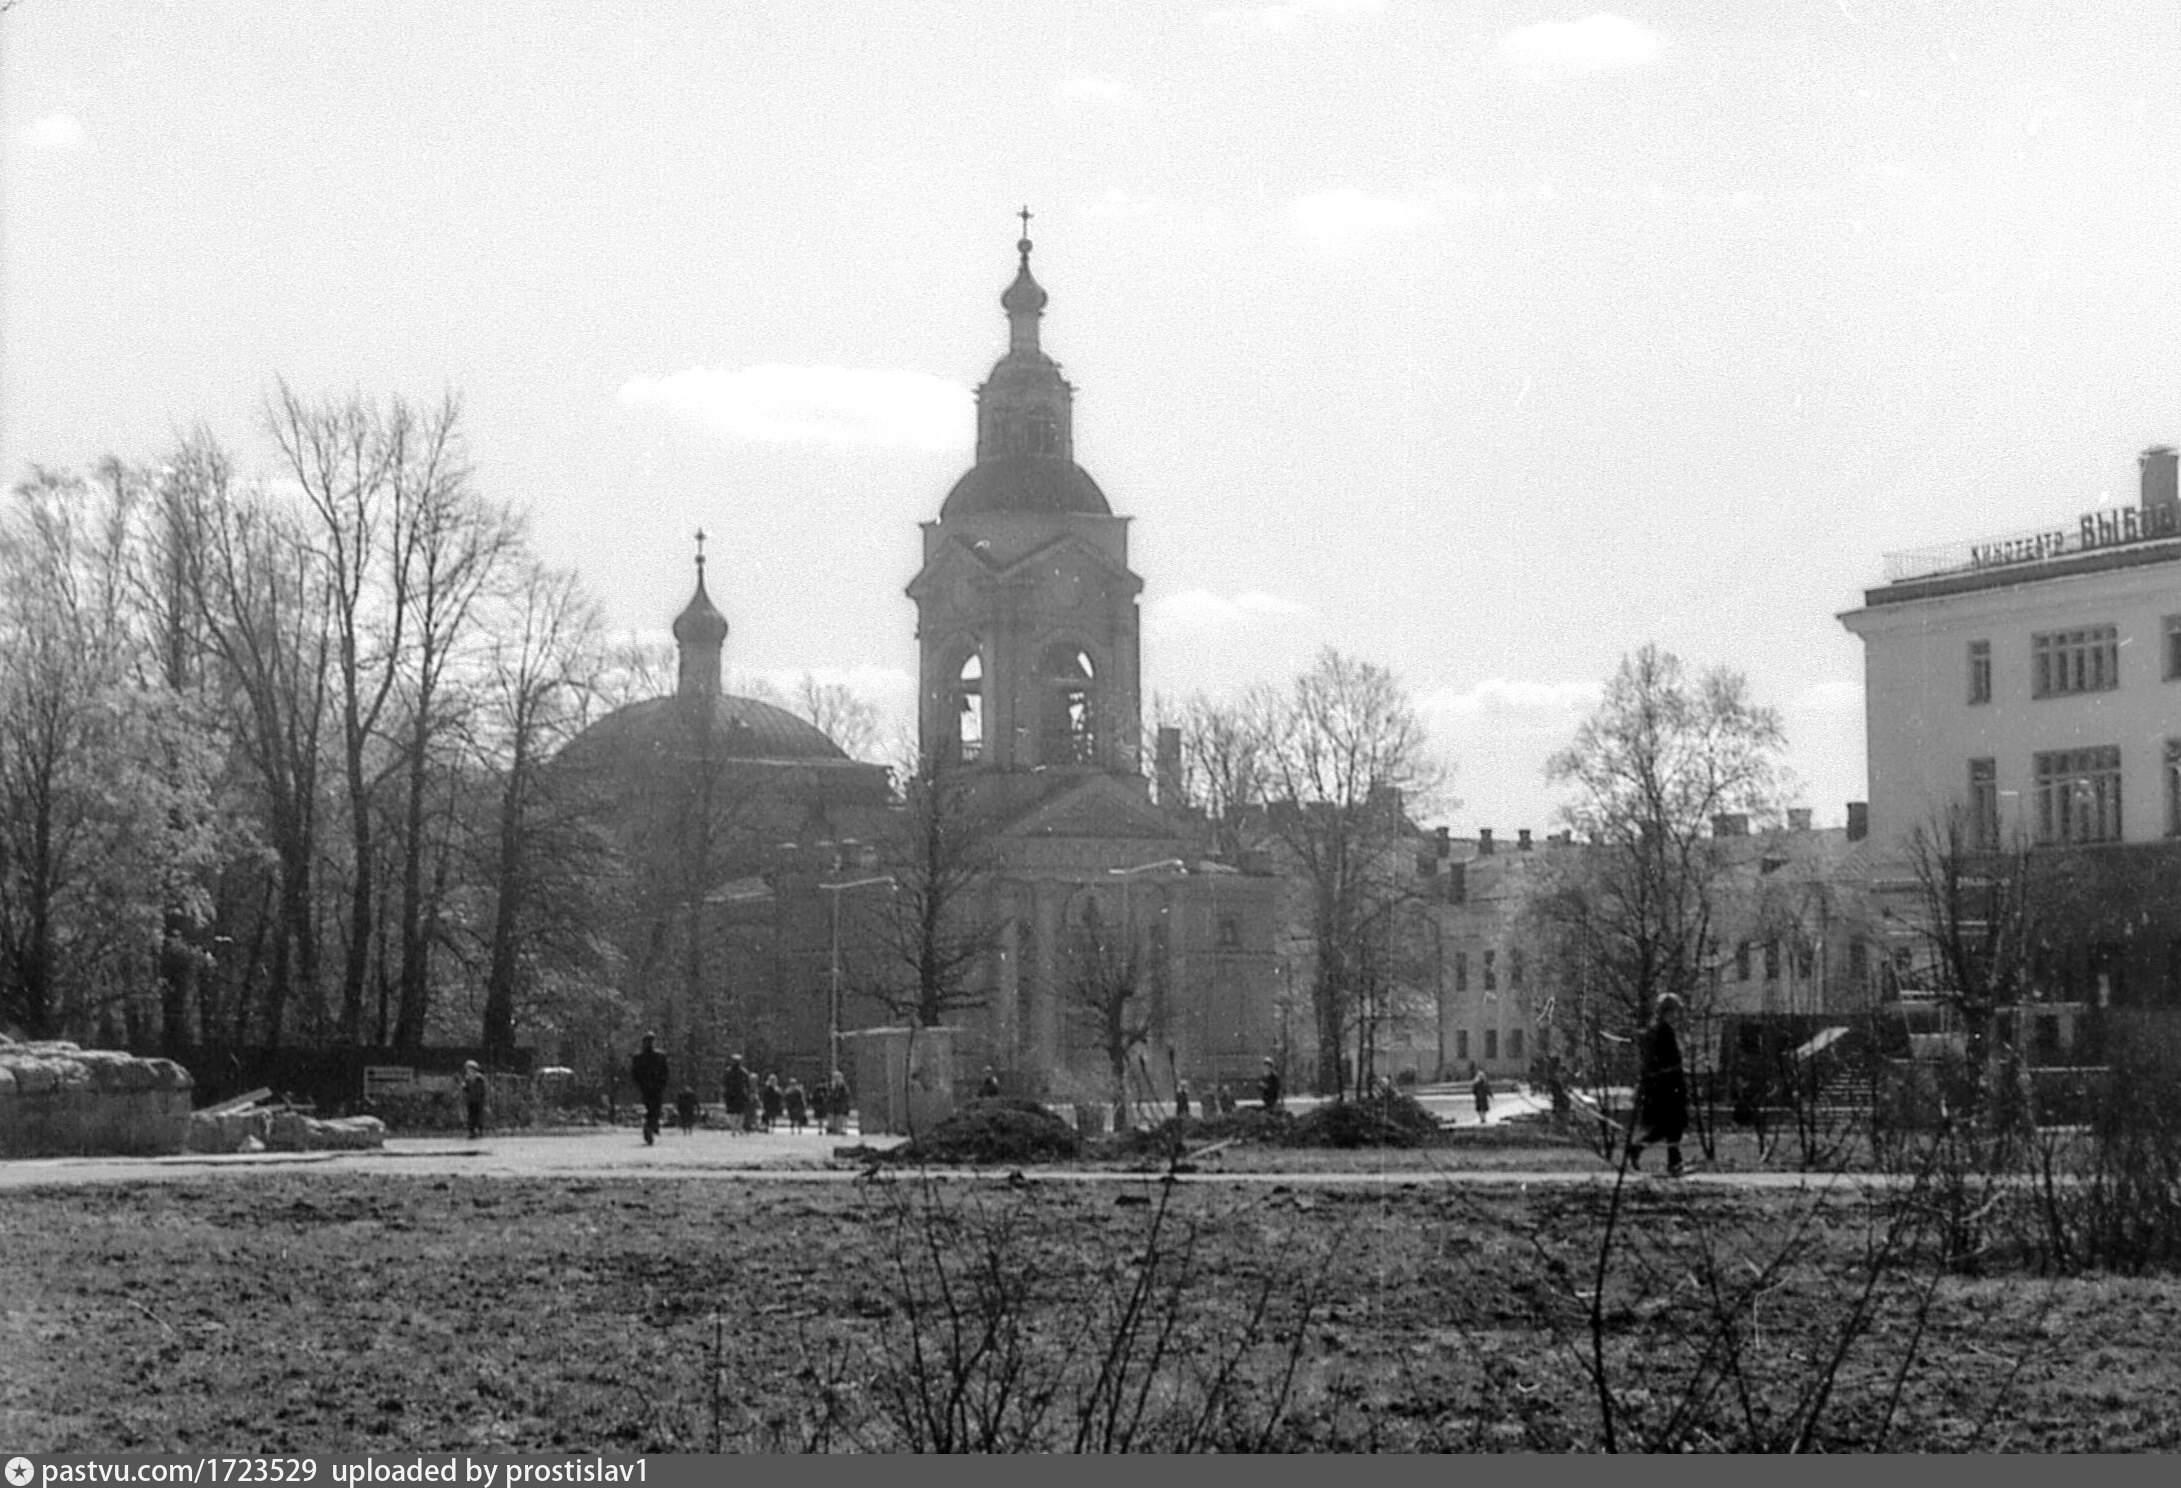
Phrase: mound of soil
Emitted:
{"points": [[993, 1132], [1389, 1119]]}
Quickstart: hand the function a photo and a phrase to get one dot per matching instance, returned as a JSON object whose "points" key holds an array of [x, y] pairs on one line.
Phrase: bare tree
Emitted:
{"points": [[545, 857], [1983, 913], [1105, 988], [838, 712], [1346, 758], [264, 615], [1631, 917], [936, 932], [462, 545]]}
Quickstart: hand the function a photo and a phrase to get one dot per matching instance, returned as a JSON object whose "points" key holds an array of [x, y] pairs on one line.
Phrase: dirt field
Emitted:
{"points": [[295, 1311]]}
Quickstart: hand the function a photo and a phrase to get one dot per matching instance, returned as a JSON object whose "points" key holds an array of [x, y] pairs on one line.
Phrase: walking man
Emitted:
{"points": [[1662, 1091], [1268, 1086], [648, 1070], [474, 1087], [735, 1092]]}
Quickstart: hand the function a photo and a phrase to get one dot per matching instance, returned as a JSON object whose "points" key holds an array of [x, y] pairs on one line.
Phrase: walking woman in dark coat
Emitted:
{"points": [[1662, 1091]]}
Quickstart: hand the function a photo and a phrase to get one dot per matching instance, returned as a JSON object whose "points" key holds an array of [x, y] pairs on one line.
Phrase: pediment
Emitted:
{"points": [[1100, 807]]}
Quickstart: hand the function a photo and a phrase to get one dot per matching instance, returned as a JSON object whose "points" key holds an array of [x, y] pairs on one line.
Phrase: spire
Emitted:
{"points": [[1023, 300], [700, 631], [1023, 408]]}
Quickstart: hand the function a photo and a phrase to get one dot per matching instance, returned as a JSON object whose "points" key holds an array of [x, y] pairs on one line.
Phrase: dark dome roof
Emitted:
{"points": [[1027, 483], [742, 728]]}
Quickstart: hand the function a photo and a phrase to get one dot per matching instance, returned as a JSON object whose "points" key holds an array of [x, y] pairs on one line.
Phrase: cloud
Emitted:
{"points": [[1201, 609], [775, 404], [1829, 697], [1286, 17], [1502, 696], [55, 132], [1095, 86], [1343, 217], [1553, 50]]}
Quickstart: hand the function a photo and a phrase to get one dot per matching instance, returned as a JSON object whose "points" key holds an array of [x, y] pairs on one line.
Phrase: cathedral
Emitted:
{"points": [[744, 826]]}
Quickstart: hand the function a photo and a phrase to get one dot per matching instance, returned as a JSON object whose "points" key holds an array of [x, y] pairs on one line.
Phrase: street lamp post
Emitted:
{"points": [[833, 995]]}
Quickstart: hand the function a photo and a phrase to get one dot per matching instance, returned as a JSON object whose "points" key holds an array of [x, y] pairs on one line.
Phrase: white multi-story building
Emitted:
{"points": [[2034, 682]]}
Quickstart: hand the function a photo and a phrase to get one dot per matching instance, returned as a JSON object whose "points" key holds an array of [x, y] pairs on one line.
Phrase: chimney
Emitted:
{"points": [[1168, 766], [2161, 501], [1798, 818], [1484, 842], [1442, 842], [1522, 840], [1859, 820], [1730, 824]]}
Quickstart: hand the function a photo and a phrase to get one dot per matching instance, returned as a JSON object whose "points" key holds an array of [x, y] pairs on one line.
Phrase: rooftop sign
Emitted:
{"points": [[2109, 527]]}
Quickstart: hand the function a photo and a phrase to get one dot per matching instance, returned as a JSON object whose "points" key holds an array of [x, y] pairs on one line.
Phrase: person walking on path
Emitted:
{"points": [[685, 1111], [772, 1099], [837, 1102], [1181, 1100], [798, 1104], [735, 1094], [1268, 1085], [1661, 1111], [1481, 1090], [648, 1070], [474, 1086], [989, 1087]]}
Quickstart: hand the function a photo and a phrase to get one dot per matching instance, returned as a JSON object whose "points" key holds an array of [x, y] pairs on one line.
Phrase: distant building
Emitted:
{"points": [[2033, 683], [725, 813]]}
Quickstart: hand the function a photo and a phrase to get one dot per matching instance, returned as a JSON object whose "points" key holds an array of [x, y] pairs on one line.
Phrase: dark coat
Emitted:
{"points": [[736, 1088], [1662, 1090], [648, 1070]]}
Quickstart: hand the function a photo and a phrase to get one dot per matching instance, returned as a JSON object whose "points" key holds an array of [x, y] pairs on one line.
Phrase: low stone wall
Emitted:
{"points": [[59, 1100]]}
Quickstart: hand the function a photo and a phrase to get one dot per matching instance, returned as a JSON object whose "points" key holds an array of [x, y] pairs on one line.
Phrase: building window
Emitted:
{"points": [[1514, 967], [1741, 960], [1491, 970], [1491, 1043], [1230, 933], [1461, 1043], [1771, 960], [2078, 795], [1859, 963], [1980, 671], [1461, 971], [1983, 804], [2065, 661], [1514, 1043], [1805, 959], [2173, 647]]}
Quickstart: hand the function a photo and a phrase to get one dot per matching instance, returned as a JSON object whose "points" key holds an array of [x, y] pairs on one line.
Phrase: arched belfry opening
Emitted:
{"points": [[1070, 681], [1026, 551], [969, 706]]}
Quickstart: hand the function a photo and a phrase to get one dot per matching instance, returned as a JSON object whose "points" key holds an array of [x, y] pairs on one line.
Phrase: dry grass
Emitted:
{"points": [[284, 1312]]}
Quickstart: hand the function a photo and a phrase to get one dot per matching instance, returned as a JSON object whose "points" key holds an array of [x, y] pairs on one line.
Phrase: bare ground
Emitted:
{"points": [[289, 1311]]}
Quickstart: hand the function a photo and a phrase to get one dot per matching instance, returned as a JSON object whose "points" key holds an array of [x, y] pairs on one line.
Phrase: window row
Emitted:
{"points": [[2076, 796], [1490, 1043], [1489, 966], [2066, 662]]}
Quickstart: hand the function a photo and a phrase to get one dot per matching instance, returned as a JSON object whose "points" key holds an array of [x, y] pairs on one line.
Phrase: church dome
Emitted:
{"points": [[725, 726], [700, 623], [1025, 483]]}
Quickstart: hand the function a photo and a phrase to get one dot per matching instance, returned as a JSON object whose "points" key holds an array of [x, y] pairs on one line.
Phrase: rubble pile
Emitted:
{"points": [[249, 1124], [58, 1099]]}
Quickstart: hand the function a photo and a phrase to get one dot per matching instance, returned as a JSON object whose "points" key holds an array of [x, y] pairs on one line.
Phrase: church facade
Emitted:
{"points": [[1029, 664]]}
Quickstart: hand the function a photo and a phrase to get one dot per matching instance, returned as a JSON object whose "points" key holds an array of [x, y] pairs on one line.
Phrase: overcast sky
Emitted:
{"points": [[1485, 341]]}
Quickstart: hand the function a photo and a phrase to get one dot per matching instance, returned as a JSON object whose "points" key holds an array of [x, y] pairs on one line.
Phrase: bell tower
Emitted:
{"points": [[1027, 626]]}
